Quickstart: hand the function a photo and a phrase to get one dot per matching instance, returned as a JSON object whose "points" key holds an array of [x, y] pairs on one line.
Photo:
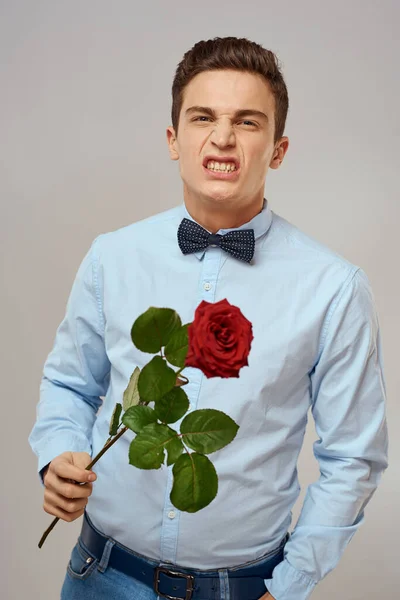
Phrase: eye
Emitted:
{"points": [[249, 123], [201, 117]]}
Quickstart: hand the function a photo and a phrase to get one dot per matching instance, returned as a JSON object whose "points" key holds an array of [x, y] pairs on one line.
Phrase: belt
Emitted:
{"points": [[181, 583]]}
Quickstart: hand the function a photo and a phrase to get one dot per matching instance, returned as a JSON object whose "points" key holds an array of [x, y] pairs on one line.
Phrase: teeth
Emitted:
{"points": [[224, 167]]}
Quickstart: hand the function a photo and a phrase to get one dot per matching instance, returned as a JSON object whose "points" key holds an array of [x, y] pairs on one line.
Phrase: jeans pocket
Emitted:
{"points": [[81, 564]]}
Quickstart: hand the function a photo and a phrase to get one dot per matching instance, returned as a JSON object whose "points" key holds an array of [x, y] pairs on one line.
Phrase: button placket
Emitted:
{"points": [[212, 263]]}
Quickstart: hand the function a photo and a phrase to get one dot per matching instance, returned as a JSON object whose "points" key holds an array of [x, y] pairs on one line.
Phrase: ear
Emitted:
{"points": [[172, 143], [279, 153]]}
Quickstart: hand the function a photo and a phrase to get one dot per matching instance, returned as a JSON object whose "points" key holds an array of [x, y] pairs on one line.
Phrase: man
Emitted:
{"points": [[316, 344]]}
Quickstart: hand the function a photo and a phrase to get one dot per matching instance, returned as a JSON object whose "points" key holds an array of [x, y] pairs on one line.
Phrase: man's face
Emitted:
{"points": [[227, 117]]}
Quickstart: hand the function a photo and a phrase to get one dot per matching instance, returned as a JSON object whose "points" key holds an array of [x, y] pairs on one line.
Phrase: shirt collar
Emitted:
{"points": [[260, 223]]}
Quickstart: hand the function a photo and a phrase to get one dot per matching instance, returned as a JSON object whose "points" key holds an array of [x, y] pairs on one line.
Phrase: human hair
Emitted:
{"points": [[231, 53]]}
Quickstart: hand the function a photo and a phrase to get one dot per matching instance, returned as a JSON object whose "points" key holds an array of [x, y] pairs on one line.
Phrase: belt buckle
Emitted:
{"points": [[189, 580]]}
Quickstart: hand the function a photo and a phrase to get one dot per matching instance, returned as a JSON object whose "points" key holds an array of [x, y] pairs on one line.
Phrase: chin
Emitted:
{"points": [[220, 194]]}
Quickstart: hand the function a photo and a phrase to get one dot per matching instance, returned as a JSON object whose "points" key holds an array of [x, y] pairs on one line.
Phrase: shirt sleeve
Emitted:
{"points": [[349, 408], [76, 371]]}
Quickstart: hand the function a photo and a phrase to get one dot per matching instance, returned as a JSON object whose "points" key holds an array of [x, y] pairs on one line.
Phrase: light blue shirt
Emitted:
{"points": [[316, 345]]}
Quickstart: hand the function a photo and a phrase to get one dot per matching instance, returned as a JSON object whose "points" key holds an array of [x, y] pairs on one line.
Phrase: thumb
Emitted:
{"points": [[81, 459]]}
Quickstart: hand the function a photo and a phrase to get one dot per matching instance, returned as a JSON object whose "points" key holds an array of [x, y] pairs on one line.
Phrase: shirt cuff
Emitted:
{"points": [[288, 583], [56, 446]]}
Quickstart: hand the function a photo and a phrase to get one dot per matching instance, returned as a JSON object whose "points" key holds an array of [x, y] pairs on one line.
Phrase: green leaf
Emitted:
{"points": [[177, 348], [155, 380], [147, 450], [174, 448], [114, 423], [172, 406], [153, 329], [137, 417], [195, 482], [131, 395], [207, 430]]}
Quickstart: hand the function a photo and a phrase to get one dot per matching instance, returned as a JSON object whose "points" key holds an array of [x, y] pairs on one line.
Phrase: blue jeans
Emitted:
{"points": [[88, 579], [93, 584]]}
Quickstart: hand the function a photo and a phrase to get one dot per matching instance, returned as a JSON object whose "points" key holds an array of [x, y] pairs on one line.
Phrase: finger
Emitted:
{"points": [[66, 470], [52, 499], [69, 489], [72, 490], [62, 514]]}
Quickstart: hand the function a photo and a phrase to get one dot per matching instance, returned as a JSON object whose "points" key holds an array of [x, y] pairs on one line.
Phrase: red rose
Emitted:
{"points": [[219, 339]]}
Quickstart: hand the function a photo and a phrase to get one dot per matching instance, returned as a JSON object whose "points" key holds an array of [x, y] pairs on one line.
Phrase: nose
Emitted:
{"points": [[223, 135]]}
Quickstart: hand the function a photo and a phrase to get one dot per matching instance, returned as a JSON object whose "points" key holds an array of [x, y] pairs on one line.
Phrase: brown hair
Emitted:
{"points": [[231, 53]]}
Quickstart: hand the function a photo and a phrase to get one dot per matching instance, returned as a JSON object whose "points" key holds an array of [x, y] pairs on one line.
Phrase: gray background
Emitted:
{"points": [[85, 101]]}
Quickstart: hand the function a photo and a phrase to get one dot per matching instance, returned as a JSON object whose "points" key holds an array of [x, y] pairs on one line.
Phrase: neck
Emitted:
{"points": [[215, 215]]}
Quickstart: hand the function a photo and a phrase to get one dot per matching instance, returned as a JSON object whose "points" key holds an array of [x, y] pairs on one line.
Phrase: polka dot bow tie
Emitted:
{"points": [[193, 238]]}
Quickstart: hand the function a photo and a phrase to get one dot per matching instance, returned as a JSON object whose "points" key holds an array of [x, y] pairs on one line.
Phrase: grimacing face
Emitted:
{"points": [[227, 117]]}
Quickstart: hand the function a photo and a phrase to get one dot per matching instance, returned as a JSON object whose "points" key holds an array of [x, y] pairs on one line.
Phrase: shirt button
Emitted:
{"points": [[172, 514], [207, 286]]}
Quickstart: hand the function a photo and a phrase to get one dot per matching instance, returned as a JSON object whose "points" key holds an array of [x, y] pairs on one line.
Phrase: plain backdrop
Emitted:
{"points": [[85, 97]]}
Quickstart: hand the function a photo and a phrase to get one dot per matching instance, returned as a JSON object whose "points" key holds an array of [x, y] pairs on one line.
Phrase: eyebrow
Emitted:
{"points": [[239, 113]]}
